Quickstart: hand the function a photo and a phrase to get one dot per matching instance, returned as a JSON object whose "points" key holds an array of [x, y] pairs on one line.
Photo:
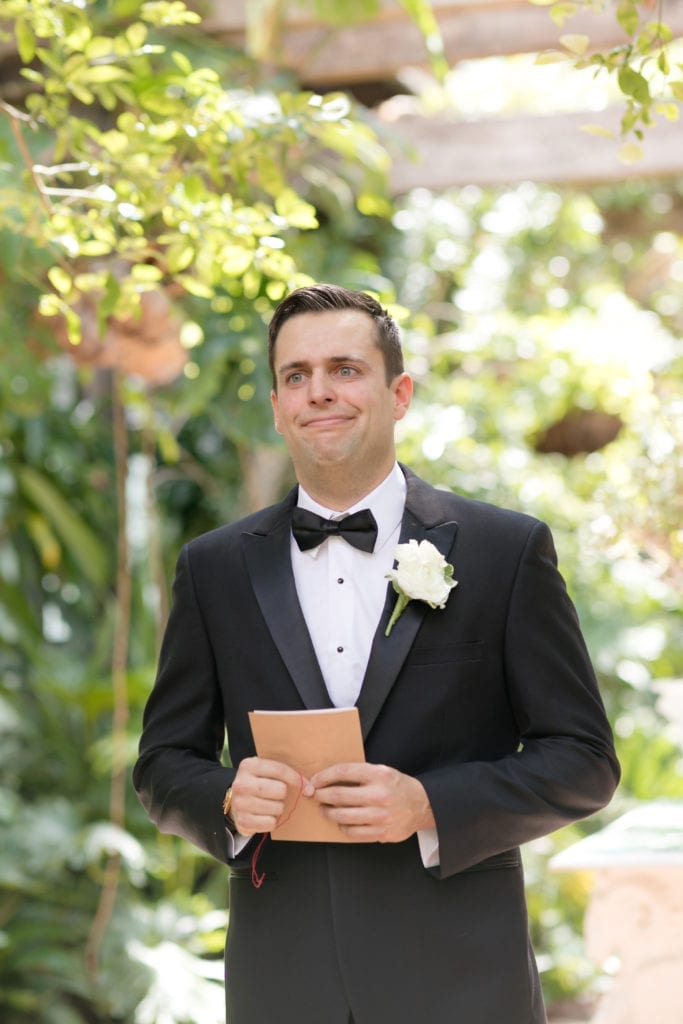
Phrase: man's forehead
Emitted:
{"points": [[357, 319], [315, 337]]}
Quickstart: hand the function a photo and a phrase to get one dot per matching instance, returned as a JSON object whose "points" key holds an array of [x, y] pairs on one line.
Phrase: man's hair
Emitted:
{"points": [[319, 298]]}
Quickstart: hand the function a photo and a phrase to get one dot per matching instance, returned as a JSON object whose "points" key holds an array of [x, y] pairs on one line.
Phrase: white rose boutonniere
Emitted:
{"points": [[421, 574]]}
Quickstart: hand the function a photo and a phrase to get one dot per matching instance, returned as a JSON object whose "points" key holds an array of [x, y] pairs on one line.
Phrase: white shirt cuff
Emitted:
{"points": [[427, 838], [429, 847], [236, 842]]}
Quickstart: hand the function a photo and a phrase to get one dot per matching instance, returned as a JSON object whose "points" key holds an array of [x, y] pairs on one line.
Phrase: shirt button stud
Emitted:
{"points": [[340, 650], [340, 579]]}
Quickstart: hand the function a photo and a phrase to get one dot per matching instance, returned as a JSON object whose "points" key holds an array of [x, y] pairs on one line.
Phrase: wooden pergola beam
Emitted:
{"points": [[376, 49], [439, 154]]}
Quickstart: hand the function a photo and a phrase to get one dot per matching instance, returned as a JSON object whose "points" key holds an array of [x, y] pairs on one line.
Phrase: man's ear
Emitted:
{"points": [[273, 402], [402, 387]]}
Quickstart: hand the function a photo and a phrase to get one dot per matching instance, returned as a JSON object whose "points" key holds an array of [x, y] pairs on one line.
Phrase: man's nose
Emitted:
{"points": [[320, 390]]}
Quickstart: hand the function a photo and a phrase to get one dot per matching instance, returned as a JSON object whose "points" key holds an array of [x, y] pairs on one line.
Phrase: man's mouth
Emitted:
{"points": [[320, 422]]}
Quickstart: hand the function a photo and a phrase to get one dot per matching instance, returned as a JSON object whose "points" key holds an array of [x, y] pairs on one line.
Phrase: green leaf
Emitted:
{"points": [[562, 11], [657, 33], [576, 44], [372, 205], [193, 286], [632, 83], [295, 210], [631, 153], [136, 34], [105, 73], [95, 247], [550, 57], [32, 75], [195, 188], [598, 129], [82, 94], [182, 62], [179, 257], [168, 12], [677, 88], [83, 545], [45, 541], [26, 41], [60, 280], [235, 260], [422, 13], [146, 273], [628, 18], [668, 110], [78, 39]]}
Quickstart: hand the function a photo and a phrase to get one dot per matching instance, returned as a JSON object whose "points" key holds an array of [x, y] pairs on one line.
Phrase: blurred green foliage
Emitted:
{"points": [[527, 305]]}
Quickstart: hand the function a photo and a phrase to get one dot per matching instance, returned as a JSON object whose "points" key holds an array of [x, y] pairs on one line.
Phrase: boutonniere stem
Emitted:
{"points": [[421, 574]]}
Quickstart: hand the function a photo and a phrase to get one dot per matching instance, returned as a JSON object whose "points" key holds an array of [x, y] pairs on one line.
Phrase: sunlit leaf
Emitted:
{"points": [[550, 57], [60, 279], [372, 205], [78, 538], [560, 12], [235, 260], [670, 111], [105, 73], [193, 286], [26, 42], [598, 129], [631, 153], [146, 273], [136, 34], [628, 18], [44, 539], [295, 210], [576, 44]]}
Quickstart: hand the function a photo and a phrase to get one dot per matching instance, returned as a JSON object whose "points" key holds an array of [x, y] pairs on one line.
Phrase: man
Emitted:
{"points": [[482, 721]]}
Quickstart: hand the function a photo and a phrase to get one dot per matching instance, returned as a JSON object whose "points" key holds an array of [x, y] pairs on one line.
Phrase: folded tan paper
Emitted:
{"points": [[308, 741]]}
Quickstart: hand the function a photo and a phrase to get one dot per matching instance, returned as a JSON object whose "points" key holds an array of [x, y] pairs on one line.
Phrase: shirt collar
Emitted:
{"points": [[386, 502]]}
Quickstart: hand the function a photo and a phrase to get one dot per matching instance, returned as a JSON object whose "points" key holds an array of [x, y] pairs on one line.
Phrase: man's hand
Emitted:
{"points": [[259, 791], [373, 803]]}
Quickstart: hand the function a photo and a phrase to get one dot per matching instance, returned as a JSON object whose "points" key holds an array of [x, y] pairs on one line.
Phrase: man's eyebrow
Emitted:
{"points": [[348, 359], [302, 364], [296, 364]]}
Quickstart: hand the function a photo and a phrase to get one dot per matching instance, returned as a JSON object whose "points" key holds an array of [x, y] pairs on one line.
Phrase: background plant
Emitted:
{"points": [[136, 415]]}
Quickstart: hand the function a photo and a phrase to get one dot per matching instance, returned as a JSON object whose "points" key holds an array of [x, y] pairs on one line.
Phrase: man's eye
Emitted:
{"points": [[295, 378], [346, 371]]}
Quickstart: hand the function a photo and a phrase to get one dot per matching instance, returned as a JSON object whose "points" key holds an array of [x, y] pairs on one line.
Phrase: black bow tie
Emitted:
{"points": [[309, 529]]}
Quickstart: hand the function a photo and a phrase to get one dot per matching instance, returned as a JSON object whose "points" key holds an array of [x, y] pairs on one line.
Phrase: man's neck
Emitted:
{"points": [[341, 493]]}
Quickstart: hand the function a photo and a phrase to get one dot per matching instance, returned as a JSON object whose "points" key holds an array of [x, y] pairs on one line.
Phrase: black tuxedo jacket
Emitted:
{"points": [[491, 702]]}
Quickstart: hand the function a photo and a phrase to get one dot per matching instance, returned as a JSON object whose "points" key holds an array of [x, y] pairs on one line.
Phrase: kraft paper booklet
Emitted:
{"points": [[308, 741]]}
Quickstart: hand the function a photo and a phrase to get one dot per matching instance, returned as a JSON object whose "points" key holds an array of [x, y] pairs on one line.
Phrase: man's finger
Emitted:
{"points": [[351, 774], [263, 768]]}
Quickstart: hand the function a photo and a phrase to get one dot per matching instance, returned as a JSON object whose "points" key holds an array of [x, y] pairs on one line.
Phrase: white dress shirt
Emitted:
{"points": [[342, 591]]}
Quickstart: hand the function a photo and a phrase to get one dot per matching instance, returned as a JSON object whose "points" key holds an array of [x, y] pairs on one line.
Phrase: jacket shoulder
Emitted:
{"points": [[472, 510], [225, 537]]}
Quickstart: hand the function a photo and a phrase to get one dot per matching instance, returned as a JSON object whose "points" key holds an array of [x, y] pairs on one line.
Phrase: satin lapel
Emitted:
{"points": [[270, 569], [422, 520]]}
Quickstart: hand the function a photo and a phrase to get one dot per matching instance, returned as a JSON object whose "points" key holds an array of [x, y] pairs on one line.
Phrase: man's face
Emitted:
{"points": [[332, 404]]}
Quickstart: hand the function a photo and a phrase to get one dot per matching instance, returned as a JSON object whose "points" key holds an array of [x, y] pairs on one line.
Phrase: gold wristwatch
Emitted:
{"points": [[227, 801]]}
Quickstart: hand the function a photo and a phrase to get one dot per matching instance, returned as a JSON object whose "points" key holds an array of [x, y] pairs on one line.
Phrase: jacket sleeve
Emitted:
{"points": [[179, 776], [565, 767]]}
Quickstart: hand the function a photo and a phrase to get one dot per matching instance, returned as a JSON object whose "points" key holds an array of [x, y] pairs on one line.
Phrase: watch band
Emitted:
{"points": [[227, 802]]}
